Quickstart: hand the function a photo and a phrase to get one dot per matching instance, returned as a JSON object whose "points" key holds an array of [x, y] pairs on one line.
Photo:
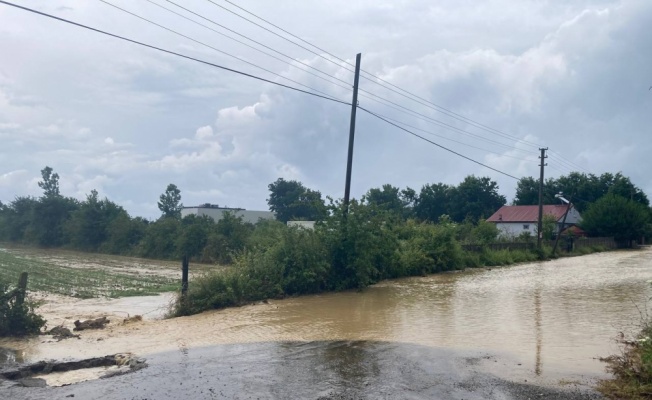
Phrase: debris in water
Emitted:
{"points": [[135, 318], [97, 323], [60, 333]]}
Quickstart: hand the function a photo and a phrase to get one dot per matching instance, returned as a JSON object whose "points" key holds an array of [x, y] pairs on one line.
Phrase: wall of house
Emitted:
{"points": [[218, 213], [516, 228]]}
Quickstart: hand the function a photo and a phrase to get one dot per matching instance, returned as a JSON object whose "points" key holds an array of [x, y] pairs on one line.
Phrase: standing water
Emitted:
{"points": [[553, 318]]}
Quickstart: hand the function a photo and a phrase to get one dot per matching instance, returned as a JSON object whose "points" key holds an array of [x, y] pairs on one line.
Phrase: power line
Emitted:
{"points": [[398, 90], [171, 52], [441, 123], [568, 161], [245, 37], [280, 36], [433, 121], [211, 47], [449, 139], [437, 144]]}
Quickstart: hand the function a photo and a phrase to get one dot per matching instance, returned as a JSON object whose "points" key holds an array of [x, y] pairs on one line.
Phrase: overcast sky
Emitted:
{"points": [[125, 120]]}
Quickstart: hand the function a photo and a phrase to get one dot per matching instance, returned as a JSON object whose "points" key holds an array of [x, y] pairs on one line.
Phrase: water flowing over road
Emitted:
{"points": [[543, 323]]}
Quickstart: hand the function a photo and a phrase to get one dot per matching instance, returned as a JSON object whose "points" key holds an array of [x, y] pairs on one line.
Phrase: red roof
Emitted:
{"points": [[527, 213]]}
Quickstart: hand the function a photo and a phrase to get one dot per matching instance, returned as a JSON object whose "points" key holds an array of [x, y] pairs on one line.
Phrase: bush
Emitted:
{"points": [[632, 369], [15, 319]]}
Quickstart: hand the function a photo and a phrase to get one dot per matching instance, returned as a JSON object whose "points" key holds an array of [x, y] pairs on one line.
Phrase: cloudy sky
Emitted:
{"points": [[125, 120]]}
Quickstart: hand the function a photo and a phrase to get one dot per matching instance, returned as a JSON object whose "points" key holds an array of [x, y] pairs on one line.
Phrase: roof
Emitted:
{"points": [[527, 213]]}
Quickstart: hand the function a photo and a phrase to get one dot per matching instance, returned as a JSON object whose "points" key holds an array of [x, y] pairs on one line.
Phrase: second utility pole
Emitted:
{"points": [[540, 222], [354, 108]]}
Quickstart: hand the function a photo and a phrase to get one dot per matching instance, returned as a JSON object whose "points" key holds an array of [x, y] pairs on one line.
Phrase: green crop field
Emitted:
{"points": [[68, 273]]}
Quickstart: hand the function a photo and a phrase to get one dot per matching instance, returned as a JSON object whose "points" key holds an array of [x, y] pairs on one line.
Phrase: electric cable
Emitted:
{"points": [[245, 37], [437, 144], [170, 52], [211, 47]]}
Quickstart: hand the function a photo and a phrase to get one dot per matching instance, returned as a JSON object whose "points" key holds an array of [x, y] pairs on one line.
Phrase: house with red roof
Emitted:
{"points": [[515, 220]]}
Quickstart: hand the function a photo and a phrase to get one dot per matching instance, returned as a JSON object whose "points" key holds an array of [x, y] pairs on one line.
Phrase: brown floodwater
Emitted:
{"points": [[554, 318]]}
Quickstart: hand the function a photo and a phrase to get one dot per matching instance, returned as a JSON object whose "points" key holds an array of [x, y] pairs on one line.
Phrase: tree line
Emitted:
{"points": [[100, 225]]}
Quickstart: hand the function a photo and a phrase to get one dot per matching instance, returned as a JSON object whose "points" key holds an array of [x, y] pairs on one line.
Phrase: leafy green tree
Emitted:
{"points": [[584, 189], [393, 200], [433, 202], [475, 198], [290, 200], [170, 202], [48, 218], [123, 234], [616, 216], [50, 183], [193, 235], [159, 240], [88, 227], [17, 216]]}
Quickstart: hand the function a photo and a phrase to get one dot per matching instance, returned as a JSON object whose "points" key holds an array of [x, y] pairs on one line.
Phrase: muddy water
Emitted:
{"points": [[554, 318]]}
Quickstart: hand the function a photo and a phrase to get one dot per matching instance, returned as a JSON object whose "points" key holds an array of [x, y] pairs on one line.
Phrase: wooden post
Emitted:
{"points": [[184, 276], [22, 289]]}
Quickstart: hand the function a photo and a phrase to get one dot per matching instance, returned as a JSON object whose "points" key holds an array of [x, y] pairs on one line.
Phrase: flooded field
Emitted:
{"points": [[548, 322]]}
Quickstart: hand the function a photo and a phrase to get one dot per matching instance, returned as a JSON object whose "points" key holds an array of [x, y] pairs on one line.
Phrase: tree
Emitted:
{"points": [[474, 199], [616, 216], [433, 202], [170, 202], [88, 227], [290, 200], [50, 183], [584, 189], [392, 199]]}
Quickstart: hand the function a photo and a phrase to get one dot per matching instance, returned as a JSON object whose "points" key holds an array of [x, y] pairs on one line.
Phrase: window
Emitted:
{"points": [[526, 226]]}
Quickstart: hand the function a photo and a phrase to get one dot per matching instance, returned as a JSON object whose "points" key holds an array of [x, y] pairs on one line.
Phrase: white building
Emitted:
{"points": [[515, 220], [217, 213]]}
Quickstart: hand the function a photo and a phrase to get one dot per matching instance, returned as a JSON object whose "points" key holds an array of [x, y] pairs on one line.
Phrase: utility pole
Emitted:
{"points": [[354, 108], [540, 222]]}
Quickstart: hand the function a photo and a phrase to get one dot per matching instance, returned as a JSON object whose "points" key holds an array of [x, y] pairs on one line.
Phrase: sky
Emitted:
{"points": [[514, 76]]}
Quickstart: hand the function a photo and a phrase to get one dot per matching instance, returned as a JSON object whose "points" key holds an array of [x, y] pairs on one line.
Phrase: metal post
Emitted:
{"points": [[540, 222], [354, 108]]}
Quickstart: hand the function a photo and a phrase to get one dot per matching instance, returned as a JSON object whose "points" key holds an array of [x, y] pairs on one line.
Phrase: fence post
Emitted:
{"points": [[184, 276], [22, 289]]}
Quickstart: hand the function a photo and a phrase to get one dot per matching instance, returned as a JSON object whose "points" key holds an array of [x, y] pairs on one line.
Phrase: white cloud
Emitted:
{"points": [[128, 121]]}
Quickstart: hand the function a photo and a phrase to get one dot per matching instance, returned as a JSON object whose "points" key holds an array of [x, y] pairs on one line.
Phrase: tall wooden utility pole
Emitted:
{"points": [[354, 108], [540, 222]]}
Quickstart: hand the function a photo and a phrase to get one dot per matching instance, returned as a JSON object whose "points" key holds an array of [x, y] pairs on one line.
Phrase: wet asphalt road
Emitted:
{"points": [[312, 370]]}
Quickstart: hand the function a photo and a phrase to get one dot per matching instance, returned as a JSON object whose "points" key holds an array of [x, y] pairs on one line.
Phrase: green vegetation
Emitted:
{"points": [[17, 319], [81, 281], [584, 189], [632, 369], [345, 251], [616, 216]]}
